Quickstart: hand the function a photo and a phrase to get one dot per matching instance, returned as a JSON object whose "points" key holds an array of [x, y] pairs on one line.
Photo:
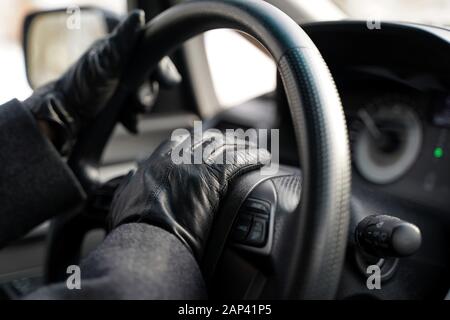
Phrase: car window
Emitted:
{"points": [[240, 70], [13, 82]]}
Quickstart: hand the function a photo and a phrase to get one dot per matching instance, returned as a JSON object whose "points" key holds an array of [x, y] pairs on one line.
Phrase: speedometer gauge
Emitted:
{"points": [[387, 139]]}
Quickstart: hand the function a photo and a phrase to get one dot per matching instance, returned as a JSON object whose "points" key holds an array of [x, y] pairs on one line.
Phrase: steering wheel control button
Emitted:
{"points": [[385, 236], [257, 206], [258, 233], [251, 228], [242, 228]]}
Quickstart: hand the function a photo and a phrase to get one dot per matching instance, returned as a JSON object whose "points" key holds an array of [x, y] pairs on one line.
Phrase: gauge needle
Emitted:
{"points": [[383, 140], [370, 124]]}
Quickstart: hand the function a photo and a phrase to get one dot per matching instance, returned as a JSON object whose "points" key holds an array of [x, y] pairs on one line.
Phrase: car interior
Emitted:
{"points": [[364, 177]]}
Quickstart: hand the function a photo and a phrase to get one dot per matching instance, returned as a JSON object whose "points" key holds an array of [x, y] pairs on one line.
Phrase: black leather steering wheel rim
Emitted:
{"points": [[317, 251]]}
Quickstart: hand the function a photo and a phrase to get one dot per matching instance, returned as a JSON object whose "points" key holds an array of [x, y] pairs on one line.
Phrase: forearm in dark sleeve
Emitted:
{"points": [[35, 183], [136, 261]]}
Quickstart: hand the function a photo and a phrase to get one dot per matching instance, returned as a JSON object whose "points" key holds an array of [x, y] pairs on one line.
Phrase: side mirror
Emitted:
{"points": [[54, 40]]}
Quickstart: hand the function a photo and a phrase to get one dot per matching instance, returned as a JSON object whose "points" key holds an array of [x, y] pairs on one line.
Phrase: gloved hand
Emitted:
{"points": [[70, 102], [183, 198], [83, 91]]}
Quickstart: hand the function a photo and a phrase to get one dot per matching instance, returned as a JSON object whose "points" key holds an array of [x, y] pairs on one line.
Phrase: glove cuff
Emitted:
{"points": [[65, 126]]}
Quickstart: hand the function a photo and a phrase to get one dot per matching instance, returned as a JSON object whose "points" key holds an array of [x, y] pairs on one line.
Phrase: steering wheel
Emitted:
{"points": [[306, 246]]}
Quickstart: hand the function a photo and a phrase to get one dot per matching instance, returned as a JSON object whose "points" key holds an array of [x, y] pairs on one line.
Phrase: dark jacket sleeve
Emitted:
{"points": [[35, 183], [136, 261]]}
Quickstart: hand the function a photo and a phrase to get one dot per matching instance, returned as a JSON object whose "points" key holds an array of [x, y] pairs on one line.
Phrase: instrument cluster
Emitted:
{"points": [[401, 143]]}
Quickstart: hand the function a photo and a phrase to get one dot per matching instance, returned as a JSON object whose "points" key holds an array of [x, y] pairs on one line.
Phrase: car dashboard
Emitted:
{"points": [[394, 83]]}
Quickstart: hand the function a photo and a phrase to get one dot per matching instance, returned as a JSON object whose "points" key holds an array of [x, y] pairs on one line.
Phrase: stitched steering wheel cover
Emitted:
{"points": [[314, 266]]}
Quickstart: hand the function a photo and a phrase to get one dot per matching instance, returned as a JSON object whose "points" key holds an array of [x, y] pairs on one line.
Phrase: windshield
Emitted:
{"points": [[436, 12]]}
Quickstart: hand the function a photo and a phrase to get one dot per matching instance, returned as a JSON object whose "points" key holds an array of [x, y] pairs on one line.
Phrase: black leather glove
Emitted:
{"points": [[83, 91], [183, 198]]}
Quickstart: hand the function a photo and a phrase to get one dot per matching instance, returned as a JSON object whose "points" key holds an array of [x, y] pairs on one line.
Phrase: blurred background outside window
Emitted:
{"points": [[13, 82], [240, 71], [435, 12]]}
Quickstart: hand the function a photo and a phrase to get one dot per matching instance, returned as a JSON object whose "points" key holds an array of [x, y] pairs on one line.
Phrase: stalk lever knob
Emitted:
{"points": [[388, 237]]}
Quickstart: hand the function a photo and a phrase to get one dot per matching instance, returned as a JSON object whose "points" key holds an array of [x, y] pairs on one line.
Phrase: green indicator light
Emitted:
{"points": [[438, 153]]}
